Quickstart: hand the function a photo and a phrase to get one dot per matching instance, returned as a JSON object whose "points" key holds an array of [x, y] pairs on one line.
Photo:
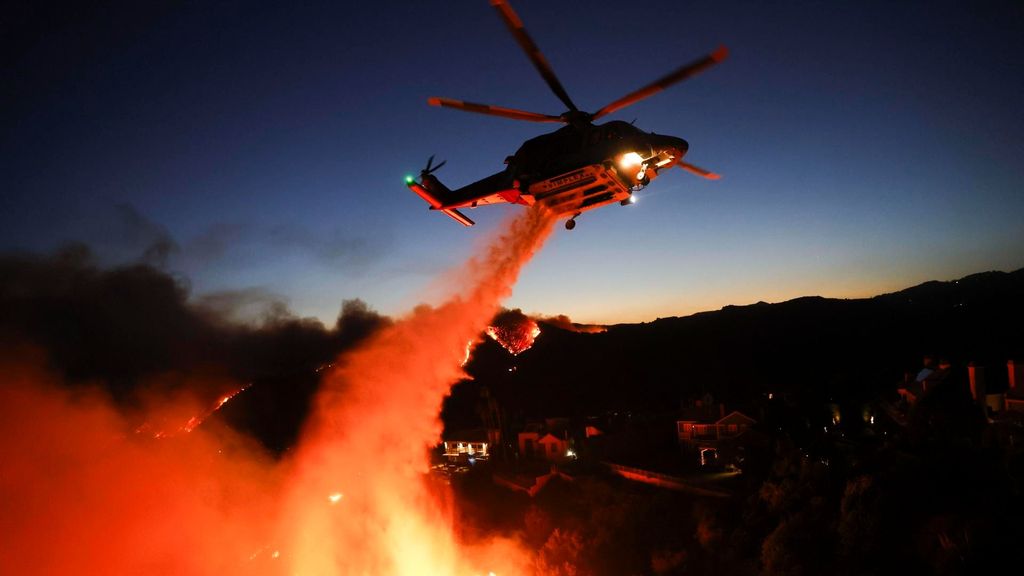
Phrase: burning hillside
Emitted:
{"points": [[166, 427], [514, 330]]}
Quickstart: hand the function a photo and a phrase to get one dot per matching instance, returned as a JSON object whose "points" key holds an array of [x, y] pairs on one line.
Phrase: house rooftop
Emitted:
{"points": [[465, 435]]}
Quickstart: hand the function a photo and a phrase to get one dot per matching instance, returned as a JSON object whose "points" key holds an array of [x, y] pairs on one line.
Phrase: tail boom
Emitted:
{"points": [[436, 204]]}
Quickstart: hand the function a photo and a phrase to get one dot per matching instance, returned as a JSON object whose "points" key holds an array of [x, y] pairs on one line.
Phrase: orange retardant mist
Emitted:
{"points": [[82, 493], [376, 414]]}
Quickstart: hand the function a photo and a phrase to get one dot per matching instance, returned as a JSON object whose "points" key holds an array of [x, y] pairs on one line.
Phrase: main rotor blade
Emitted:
{"points": [[698, 170], [493, 110], [660, 84], [515, 25]]}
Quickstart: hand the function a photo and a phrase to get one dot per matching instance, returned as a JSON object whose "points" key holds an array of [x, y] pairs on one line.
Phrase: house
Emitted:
{"points": [[989, 387], [930, 376], [989, 393], [471, 443], [994, 393], [1015, 386], [702, 431], [548, 441], [552, 447], [706, 430]]}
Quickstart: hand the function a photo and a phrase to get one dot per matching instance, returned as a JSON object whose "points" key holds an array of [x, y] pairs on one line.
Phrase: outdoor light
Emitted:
{"points": [[630, 159]]}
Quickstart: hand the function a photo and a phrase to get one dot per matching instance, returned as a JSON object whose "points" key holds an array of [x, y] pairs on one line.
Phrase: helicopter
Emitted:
{"points": [[576, 168]]}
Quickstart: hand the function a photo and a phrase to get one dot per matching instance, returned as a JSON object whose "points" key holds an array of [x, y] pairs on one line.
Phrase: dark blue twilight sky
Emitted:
{"points": [[865, 146]]}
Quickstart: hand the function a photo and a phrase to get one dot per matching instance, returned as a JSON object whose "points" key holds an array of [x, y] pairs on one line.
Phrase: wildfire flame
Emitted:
{"points": [[150, 429], [514, 331], [197, 420]]}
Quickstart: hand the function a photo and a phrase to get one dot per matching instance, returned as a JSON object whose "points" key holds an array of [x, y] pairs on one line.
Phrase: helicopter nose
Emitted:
{"points": [[673, 142], [678, 145], [681, 145]]}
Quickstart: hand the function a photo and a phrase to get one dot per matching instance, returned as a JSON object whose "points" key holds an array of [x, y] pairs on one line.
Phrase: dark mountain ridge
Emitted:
{"points": [[814, 346]]}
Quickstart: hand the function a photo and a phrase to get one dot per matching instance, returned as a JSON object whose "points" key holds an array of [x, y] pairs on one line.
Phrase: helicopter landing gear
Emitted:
{"points": [[571, 222]]}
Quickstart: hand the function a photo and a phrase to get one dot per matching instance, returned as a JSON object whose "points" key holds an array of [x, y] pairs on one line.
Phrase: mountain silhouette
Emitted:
{"points": [[816, 347]]}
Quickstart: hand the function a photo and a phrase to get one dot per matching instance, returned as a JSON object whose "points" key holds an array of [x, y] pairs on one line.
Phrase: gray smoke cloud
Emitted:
{"points": [[132, 325]]}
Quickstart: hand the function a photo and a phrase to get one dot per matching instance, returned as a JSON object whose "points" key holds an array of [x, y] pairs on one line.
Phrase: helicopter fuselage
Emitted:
{"points": [[570, 171]]}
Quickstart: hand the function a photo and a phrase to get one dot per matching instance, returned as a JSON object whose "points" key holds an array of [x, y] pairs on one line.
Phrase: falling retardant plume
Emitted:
{"points": [[87, 488], [360, 502]]}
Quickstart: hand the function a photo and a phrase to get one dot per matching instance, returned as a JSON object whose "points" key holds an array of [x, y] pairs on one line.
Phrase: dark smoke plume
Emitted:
{"points": [[133, 328], [562, 321]]}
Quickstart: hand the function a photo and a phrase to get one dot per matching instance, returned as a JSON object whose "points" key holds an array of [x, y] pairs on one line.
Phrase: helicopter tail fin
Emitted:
{"points": [[436, 193], [458, 216]]}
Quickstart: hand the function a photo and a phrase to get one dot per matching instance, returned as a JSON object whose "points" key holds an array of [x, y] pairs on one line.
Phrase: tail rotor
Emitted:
{"points": [[430, 169]]}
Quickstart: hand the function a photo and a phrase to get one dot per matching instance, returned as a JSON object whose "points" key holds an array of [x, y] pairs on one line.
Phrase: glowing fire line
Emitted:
{"points": [[194, 421]]}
